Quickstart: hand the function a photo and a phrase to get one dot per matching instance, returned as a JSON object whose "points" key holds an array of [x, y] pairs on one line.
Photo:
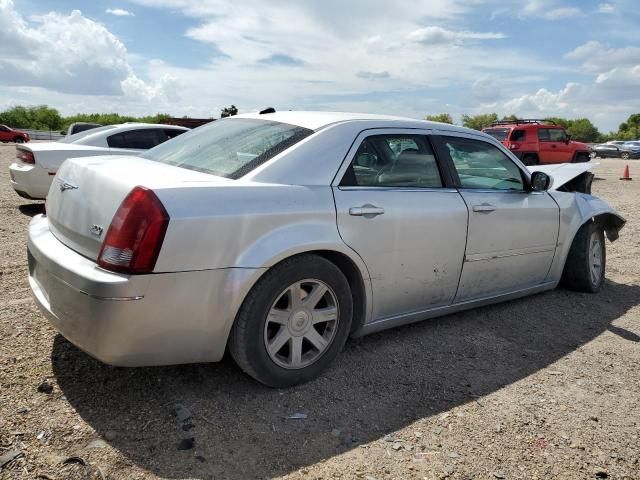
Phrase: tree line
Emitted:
{"points": [[580, 129], [43, 117]]}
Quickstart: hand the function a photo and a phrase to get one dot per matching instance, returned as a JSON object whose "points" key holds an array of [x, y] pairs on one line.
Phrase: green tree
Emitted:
{"points": [[630, 130], [478, 122], [583, 130], [228, 111], [440, 117], [510, 118]]}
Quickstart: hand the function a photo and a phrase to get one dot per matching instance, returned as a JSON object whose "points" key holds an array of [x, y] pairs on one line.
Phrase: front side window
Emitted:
{"points": [[229, 148], [394, 161], [482, 165]]}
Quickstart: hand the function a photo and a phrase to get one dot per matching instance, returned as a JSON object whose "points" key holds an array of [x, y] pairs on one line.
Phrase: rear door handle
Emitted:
{"points": [[484, 208], [366, 211]]}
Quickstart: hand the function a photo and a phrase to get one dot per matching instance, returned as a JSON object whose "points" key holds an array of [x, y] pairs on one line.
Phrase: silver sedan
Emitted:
{"points": [[279, 235]]}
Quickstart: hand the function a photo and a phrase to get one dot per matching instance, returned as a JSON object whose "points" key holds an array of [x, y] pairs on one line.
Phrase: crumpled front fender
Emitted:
{"points": [[576, 209]]}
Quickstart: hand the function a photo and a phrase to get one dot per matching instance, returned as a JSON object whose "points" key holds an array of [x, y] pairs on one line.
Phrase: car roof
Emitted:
{"points": [[319, 120]]}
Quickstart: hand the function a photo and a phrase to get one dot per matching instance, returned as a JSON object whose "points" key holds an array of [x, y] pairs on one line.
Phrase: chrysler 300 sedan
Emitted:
{"points": [[277, 236]]}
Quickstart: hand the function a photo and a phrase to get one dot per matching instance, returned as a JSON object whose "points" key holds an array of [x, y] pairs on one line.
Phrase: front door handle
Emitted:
{"points": [[366, 211], [484, 208]]}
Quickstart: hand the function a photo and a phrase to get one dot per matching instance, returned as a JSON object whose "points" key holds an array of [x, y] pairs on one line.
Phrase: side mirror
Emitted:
{"points": [[567, 139], [540, 182]]}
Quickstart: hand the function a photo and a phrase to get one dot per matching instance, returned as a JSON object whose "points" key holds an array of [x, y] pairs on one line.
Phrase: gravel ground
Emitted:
{"points": [[544, 387]]}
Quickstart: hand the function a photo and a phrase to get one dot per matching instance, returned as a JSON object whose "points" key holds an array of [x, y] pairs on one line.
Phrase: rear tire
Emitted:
{"points": [[530, 160], [625, 155], [283, 335], [585, 266], [582, 158]]}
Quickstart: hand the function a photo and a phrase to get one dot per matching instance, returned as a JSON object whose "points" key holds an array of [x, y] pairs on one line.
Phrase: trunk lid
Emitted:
{"points": [[86, 193]]}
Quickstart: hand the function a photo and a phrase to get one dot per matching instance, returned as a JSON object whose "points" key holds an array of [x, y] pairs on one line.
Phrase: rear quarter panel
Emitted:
{"points": [[246, 226]]}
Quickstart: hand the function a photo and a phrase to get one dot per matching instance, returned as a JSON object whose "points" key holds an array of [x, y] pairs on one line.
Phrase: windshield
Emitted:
{"points": [[499, 134], [228, 148], [80, 135]]}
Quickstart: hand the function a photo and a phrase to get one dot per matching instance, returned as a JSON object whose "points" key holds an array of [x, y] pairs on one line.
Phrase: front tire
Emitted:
{"points": [[530, 160], [585, 266], [293, 323], [582, 157], [625, 155], [18, 140]]}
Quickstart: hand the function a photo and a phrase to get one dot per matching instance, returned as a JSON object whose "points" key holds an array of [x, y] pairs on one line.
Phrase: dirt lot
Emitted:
{"points": [[544, 387]]}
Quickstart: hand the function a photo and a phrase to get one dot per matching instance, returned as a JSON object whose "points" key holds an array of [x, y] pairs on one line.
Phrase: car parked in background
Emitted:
{"points": [[8, 134], [276, 236], [78, 127], [625, 150], [37, 163], [538, 142]]}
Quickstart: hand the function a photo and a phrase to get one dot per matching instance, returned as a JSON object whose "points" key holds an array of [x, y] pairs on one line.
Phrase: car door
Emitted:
{"points": [[512, 231], [549, 147], [395, 209]]}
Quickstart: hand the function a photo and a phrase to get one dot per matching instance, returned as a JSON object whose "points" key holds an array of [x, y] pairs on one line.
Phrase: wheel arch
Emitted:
{"points": [[350, 265]]}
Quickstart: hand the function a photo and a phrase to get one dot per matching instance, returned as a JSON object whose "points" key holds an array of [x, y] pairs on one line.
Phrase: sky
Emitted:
{"points": [[532, 58]]}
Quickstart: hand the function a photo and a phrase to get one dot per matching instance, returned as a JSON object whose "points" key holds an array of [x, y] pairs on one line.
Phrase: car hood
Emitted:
{"points": [[563, 173]]}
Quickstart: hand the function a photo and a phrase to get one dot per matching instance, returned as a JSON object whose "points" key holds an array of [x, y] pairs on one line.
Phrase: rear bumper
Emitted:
{"points": [[139, 320], [30, 181]]}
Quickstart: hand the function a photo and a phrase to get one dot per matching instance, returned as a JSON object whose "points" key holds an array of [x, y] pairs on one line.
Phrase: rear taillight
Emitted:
{"points": [[135, 236], [25, 156]]}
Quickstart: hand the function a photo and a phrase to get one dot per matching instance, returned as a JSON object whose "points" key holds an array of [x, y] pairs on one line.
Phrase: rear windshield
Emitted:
{"points": [[499, 134], [228, 148]]}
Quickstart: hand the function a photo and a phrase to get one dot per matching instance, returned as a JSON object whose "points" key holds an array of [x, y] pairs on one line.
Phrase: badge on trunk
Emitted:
{"points": [[67, 186], [96, 230]]}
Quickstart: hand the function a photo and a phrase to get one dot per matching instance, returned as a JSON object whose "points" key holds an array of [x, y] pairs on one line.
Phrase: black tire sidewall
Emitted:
{"points": [[594, 228], [251, 338]]}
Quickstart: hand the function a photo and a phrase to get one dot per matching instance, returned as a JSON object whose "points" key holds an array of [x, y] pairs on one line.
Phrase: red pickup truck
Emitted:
{"points": [[539, 141], [8, 134]]}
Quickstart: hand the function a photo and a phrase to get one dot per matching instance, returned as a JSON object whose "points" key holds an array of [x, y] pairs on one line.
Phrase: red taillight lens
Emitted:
{"points": [[25, 156], [134, 238]]}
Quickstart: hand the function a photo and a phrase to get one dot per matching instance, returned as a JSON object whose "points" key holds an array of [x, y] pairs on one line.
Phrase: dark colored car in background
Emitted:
{"points": [[611, 150], [8, 134]]}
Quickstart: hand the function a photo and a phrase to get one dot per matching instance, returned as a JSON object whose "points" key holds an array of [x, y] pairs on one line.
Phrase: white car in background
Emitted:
{"points": [[37, 163]]}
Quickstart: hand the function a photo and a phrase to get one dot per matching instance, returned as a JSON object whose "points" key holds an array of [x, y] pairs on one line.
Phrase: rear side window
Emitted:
{"points": [[519, 136], [142, 139], [229, 148], [394, 161], [173, 132]]}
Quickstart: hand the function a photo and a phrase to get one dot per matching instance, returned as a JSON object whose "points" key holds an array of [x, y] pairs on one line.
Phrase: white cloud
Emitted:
{"points": [[600, 100], [596, 57], [66, 53], [605, 8], [563, 13], [545, 9], [434, 35], [119, 12]]}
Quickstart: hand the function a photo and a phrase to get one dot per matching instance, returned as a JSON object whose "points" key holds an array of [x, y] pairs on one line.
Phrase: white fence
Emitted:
{"points": [[43, 134]]}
